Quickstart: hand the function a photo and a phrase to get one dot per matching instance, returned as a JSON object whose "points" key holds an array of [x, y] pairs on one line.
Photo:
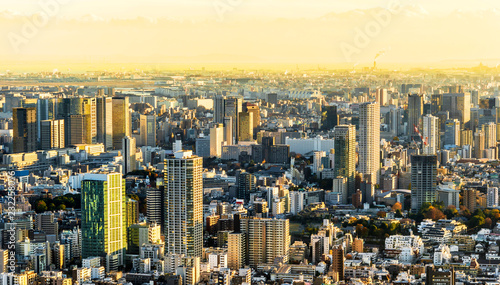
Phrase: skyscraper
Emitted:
{"points": [[245, 127], [329, 117], [148, 130], [228, 130], [459, 105], [430, 132], [46, 109], [183, 204], [490, 135], [80, 120], [90, 109], [255, 110], [345, 157], [52, 134], [232, 108], [219, 113], [155, 204], [246, 183], [104, 110], [479, 144], [216, 140], [369, 141], [423, 180], [78, 134], [452, 132], [103, 218], [121, 121], [25, 129], [415, 111], [129, 150]]}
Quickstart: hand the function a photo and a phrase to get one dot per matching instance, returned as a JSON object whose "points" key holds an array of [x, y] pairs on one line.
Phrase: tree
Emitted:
{"points": [[488, 223], [397, 206], [359, 229], [451, 212], [381, 214], [434, 214], [41, 206]]}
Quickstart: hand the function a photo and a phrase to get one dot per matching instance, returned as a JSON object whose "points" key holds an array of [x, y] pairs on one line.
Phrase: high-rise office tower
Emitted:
{"points": [[474, 97], [52, 134], [103, 218], [131, 212], [183, 204], [490, 135], [219, 102], [266, 239], [459, 105], [216, 140], [255, 110], [25, 130], [382, 97], [121, 121], [415, 112], [245, 127], [129, 151], [466, 138], [46, 109], [338, 261], [232, 108], [423, 180], [104, 110], [479, 144], [90, 109], [452, 132], [228, 130], [345, 157], [80, 120], [369, 141], [78, 130], [148, 130], [329, 117], [437, 102], [430, 132]]}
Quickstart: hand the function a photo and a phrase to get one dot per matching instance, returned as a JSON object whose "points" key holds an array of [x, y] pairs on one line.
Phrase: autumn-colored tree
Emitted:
{"points": [[434, 214], [397, 206], [359, 229], [382, 214], [488, 222]]}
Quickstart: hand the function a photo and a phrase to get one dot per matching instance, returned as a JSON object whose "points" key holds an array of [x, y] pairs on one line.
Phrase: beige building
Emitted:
{"points": [[267, 239]]}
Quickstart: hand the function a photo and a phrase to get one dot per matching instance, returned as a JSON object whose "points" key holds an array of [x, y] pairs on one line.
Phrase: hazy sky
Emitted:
{"points": [[190, 9], [260, 31]]}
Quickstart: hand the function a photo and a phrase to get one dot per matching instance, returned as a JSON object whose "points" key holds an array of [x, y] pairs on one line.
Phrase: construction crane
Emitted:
{"points": [[424, 142]]}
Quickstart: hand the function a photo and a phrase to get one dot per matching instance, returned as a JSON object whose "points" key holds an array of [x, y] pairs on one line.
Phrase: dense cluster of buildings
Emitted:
{"points": [[252, 179]]}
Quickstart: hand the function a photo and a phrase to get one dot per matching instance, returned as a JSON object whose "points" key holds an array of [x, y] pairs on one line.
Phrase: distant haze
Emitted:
{"points": [[251, 31]]}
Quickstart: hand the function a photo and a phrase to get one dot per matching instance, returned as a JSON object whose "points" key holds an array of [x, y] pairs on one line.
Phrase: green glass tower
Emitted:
{"points": [[345, 157], [103, 218]]}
